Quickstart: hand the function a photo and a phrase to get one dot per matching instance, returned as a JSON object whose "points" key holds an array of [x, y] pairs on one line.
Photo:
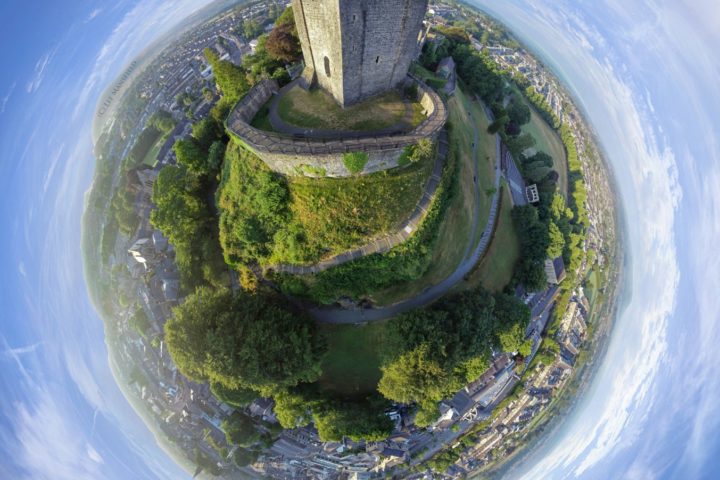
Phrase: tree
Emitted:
{"points": [[556, 241], [283, 43], [243, 457], [251, 28], [262, 65], [190, 154], [238, 397], [230, 78], [291, 409], [240, 430], [206, 131], [518, 111], [243, 341], [187, 332], [414, 377], [358, 421], [162, 120], [216, 155]]}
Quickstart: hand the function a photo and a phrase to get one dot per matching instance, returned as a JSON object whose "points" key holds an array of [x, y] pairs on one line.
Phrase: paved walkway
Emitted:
{"points": [[386, 242], [281, 126], [429, 295]]}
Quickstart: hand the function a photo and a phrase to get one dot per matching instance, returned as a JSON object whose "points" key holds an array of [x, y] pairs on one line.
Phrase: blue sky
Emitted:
{"points": [[644, 71]]}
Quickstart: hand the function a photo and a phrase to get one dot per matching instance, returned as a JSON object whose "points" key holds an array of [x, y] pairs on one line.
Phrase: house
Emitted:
{"points": [[446, 67], [141, 251], [160, 243], [531, 193], [263, 408], [555, 270]]}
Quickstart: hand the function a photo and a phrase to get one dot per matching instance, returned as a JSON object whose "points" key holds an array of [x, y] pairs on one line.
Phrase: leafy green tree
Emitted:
{"points": [[262, 65], [236, 397], [240, 430], [251, 28], [243, 341], [216, 155], [356, 420], [291, 409], [557, 241], [206, 131], [414, 377], [190, 154], [243, 457], [230, 78], [518, 111], [162, 120]]}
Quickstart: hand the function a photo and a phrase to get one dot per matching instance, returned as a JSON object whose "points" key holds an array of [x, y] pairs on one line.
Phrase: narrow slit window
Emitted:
{"points": [[377, 59], [327, 67]]}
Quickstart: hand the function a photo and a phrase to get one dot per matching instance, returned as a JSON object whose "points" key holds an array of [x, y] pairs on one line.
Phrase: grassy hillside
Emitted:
{"points": [[270, 219]]}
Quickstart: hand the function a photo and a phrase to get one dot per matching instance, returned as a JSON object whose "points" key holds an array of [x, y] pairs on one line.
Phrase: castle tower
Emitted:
{"points": [[355, 49]]}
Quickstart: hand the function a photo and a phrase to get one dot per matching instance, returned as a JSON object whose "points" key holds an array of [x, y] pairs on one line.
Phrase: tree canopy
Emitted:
{"points": [[243, 341], [230, 78]]}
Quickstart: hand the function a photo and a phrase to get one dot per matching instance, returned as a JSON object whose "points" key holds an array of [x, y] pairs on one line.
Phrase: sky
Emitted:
{"points": [[645, 74]]}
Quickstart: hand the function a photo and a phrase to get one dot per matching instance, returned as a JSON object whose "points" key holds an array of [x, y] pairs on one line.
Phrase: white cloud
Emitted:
{"points": [[93, 14], [615, 414], [4, 100], [48, 444], [93, 454], [39, 73]]}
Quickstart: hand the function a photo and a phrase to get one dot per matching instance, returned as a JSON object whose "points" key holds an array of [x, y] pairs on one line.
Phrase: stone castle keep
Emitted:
{"points": [[355, 49]]}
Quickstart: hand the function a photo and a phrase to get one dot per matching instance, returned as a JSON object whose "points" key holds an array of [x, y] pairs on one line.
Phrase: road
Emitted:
{"points": [[341, 316]]}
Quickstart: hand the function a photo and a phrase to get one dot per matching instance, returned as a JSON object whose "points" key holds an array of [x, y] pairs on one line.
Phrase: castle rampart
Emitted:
{"points": [[326, 157]]}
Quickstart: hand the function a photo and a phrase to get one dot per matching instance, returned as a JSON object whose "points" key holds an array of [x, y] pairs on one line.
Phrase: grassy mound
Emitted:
{"points": [[317, 109], [270, 219]]}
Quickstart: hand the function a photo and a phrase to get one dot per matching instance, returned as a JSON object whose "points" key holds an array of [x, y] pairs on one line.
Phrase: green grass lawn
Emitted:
{"points": [[496, 268], [262, 119], [547, 140], [351, 367], [151, 157], [591, 289], [318, 109], [338, 214], [456, 227]]}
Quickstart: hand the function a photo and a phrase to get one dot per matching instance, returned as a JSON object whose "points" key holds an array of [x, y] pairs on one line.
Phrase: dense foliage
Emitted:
{"points": [[243, 341], [334, 418], [449, 344], [230, 78], [270, 219], [184, 216], [405, 262], [283, 42]]}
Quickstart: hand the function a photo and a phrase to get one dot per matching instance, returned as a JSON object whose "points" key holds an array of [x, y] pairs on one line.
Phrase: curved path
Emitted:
{"points": [[429, 295], [386, 242]]}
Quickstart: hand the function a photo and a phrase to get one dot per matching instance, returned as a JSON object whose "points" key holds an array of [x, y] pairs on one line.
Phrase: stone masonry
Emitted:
{"points": [[316, 157], [356, 49]]}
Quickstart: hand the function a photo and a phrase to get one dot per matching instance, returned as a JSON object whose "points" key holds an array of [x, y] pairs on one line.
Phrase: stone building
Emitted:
{"points": [[355, 49]]}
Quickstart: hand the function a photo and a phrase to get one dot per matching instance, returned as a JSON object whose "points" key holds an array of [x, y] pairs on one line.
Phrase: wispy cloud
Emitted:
{"points": [[4, 100], [18, 351], [93, 14], [40, 68]]}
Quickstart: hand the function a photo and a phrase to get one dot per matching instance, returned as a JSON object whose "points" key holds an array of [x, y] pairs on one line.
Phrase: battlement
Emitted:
{"points": [[292, 155], [356, 49]]}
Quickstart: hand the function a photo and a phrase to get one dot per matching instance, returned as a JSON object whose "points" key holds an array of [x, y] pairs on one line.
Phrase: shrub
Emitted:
{"points": [[355, 161]]}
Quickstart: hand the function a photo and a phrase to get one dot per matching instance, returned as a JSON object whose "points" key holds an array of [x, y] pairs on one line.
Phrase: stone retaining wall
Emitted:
{"points": [[316, 157]]}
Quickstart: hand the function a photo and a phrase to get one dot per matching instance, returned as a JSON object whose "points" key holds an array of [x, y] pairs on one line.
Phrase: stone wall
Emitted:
{"points": [[316, 157], [358, 48]]}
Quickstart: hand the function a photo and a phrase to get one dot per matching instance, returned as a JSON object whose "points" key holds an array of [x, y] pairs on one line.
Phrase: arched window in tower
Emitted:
{"points": [[327, 67]]}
